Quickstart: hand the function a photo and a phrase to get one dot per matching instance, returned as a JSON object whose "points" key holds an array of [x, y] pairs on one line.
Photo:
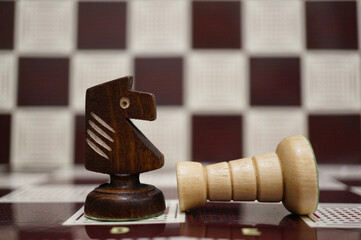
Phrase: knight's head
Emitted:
{"points": [[134, 104], [124, 101], [114, 144]]}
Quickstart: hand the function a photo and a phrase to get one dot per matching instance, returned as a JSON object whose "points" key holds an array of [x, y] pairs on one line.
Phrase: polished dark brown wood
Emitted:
{"points": [[124, 198], [115, 146]]}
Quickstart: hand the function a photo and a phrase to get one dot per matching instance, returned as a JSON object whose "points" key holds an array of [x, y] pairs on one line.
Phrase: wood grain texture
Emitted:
{"points": [[289, 174], [219, 182], [244, 182], [115, 146], [301, 193], [269, 177], [192, 185], [131, 151], [124, 198]]}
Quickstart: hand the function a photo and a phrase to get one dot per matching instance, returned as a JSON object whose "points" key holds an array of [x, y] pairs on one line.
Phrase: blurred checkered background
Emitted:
{"points": [[231, 78]]}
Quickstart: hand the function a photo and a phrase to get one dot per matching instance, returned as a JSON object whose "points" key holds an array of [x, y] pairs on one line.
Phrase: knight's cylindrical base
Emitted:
{"points": [[124, 199]]}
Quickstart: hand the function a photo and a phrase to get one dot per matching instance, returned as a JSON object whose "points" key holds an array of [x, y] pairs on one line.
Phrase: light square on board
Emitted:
{"points": [[331, 24], [41, 139], [216, 82], [169, 133], [7, 18], [45, 26], [216, 24], [43, 81], [158, 26], [40, 212], [273, 26], [336, 139], [90, 69], [265, 128], [327, 182], [275, 81], [332, 82], [7, 81], [102, 25], [216, 138]]}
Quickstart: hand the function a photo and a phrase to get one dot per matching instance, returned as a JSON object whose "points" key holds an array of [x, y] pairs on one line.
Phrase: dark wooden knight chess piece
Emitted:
{"points": [[116, 147]]}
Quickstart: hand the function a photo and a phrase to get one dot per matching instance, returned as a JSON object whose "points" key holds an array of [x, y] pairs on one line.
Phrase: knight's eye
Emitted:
{"points": [[124, 102]]}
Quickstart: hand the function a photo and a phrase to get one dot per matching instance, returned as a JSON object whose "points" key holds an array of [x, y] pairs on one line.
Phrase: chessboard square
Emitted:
{"points": [[7, 17], [168, 133], [332, 82], [5, 129], [45, 26], [43, 81], [336, 139], [332, 196], [102, 25], [79, 142], [159, 26], [273, 26], [351, 182], [326, 23], [41, 139], [216, 138], [7, 81], [265, 128], [90, 69], [216, 24], [216, 82], [275, 81], [161, 76]]}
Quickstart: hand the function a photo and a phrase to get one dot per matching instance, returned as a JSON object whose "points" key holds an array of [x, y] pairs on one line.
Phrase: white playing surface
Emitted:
{"points": [[172, 215]]}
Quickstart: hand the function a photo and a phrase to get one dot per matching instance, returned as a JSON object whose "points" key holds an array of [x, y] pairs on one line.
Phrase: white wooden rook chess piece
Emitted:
{"points": [[288, 175]]}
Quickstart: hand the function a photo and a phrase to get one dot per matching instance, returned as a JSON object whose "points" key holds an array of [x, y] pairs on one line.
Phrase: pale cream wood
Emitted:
{"points": [[243, 179], [289, 175], [269, 177], [300, 175], [192, 185], [219, 182]]}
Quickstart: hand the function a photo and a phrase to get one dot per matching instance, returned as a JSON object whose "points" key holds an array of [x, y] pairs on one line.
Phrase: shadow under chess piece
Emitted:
{"points": [[116, 147], [288, 175]]}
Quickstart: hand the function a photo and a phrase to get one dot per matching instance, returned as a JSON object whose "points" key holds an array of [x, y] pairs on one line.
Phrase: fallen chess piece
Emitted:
{"points": [[116, 147], [288, 175]]}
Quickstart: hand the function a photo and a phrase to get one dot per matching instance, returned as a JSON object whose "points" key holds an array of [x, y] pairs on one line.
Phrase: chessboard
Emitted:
{"points": [[231, 78], [36, 205]]}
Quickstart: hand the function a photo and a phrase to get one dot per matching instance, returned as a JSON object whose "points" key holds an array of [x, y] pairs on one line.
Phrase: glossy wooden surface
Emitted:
{"points": [[227, 221], [231, 220], [115, 146], [109, 106]]}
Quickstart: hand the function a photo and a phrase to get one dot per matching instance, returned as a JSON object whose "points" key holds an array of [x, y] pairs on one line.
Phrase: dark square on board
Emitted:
{"points": [[7, 14], [5, 130], [79, 139], [161, 76], [339, 196], [331, 25], [275, 81], [43, 81], [101, 25], [336, 138], [216, 24], [216, 138]]}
